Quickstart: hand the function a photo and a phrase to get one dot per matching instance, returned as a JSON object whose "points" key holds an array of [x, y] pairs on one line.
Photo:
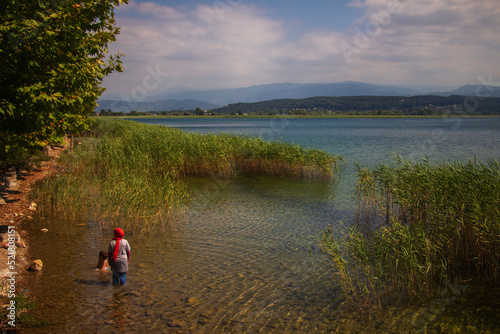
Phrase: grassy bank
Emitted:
{"points": [[130, 173], [421, 226]]}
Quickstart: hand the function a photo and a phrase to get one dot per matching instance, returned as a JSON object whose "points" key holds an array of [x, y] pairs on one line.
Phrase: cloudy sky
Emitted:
{"points": [[211, 44]]}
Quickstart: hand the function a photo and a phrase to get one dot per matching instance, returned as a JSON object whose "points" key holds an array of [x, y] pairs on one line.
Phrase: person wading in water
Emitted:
{"points": [[119, 256]]}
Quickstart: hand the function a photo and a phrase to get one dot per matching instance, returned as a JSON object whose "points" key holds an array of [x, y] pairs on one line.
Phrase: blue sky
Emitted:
{"points": [[211, 44]]}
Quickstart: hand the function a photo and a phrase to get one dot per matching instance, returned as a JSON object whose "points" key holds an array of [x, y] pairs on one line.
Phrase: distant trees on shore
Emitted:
{"points": [[368, 105], [425, 105]]}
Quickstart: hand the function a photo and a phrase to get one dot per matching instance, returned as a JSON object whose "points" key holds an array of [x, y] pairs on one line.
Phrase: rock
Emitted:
{"points": [[147, 303], [177, 323], [20, 244], [32, 206], [36, 265], [4, 237], [192, 301], [135, 293], [11, 179], [44, 230]]}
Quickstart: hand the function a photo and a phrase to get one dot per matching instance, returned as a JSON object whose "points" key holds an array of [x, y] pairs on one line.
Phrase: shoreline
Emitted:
{"points": [[16, 211], [334, 116]]}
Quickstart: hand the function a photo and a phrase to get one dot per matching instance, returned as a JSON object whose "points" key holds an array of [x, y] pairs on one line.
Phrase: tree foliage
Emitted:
{"points": [[54, 56]]}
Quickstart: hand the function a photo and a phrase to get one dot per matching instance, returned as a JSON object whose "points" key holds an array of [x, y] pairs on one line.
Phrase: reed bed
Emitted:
{"points": [[434, 224], [131, 174]]}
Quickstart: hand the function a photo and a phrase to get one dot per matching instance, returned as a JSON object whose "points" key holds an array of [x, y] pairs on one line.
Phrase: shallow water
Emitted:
{"points": [[245, 257]]}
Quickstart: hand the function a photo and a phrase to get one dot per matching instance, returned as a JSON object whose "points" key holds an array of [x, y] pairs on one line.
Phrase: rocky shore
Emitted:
{"points": [[16, 209]]}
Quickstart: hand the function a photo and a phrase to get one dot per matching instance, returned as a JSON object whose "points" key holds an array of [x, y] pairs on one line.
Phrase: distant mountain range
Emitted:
{"points": [[477, 90], [179, 98]]}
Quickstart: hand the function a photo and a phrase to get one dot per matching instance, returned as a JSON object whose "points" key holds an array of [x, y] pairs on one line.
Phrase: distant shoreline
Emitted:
{"points": [[299, 116]]}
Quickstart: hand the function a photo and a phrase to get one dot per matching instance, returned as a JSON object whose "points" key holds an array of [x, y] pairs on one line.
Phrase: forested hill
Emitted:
{"points": [[390, 105]]}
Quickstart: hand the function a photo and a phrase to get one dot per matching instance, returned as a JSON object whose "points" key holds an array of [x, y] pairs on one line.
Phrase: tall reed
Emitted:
{"points": [[439, 223], [132, 173]]}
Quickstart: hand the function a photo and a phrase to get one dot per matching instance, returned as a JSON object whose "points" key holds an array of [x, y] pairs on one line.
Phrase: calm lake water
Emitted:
{"points": [[245, 257]]}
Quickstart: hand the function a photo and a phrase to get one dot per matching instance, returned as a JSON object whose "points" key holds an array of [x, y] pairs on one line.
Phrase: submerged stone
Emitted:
{"points": [[36, 265], [177, 323]]}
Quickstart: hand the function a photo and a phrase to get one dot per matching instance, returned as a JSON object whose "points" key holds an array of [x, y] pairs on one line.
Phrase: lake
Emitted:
{"points": [[244, 256]]}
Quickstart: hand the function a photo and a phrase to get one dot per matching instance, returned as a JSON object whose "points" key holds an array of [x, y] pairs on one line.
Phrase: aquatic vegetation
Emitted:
{"points": [[420, 226], [131, 173]]}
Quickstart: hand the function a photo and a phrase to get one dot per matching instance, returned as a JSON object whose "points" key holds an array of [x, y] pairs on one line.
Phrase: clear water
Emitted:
{"points": [[245, 257], [367, 140]]}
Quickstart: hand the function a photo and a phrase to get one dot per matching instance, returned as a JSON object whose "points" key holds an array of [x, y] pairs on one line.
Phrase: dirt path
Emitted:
{"points": [[16, 210]]}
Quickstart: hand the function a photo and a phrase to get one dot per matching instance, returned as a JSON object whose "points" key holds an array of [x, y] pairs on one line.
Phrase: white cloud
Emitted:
{"points": [[449, 42], [443, 41], [158, 11], [200, 47]]}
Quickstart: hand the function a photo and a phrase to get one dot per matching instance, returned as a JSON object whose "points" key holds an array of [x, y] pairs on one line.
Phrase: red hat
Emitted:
{"points": [[119, 233]]}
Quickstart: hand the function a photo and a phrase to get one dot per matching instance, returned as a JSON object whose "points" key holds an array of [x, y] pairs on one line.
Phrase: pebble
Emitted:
{"points": [[135, 293], [192, 301], [36, 265], [147, 303], [177, 323]]}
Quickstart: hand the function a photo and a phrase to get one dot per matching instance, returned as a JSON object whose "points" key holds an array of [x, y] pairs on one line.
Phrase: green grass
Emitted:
{"points": [[131, 174], [435, 224]]}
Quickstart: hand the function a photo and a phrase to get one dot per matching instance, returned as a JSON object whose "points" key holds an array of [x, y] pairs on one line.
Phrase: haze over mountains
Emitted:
{"points": [[178, 98]]}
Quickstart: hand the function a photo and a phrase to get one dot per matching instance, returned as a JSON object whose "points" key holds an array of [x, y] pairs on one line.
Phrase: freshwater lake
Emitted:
{"points": [[244, 257]]}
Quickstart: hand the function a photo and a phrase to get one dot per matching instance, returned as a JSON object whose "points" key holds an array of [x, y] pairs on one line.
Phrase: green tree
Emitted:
{"points": [[54, 56], [105, 112]]}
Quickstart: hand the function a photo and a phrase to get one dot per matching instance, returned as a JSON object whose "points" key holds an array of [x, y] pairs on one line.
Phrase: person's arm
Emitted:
{"points": [[128, 251]]}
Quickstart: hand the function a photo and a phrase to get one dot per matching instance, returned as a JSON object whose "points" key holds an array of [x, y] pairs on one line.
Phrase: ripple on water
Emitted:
{"points": [[239, 262], [245, 262]]}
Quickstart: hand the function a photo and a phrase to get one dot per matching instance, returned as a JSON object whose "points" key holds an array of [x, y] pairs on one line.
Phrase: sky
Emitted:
{"points": [[213, 44]]}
